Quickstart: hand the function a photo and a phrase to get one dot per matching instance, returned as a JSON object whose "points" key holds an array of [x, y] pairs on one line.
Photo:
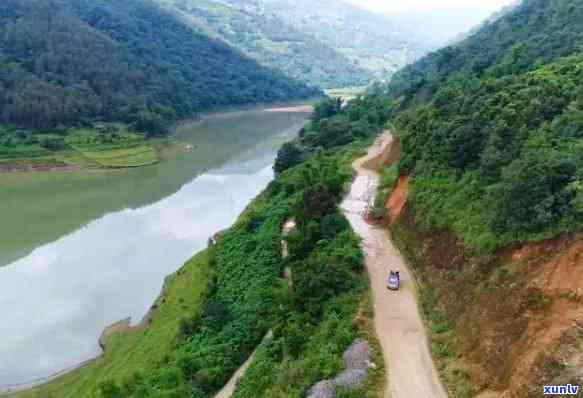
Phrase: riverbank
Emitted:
{"points": [[142, 350], [313, 323], [148, 223], [132, 349], [112, 145]]}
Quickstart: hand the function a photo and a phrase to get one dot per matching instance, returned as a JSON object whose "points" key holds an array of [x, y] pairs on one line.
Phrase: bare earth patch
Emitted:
{"points": [[398, 199]]}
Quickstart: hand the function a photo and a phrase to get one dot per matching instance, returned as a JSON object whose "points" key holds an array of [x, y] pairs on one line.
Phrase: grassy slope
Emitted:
{"points": [[141, 349]]}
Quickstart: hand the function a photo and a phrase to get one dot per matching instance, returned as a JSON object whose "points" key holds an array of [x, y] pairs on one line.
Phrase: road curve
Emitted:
{"points": [[410, 369]]}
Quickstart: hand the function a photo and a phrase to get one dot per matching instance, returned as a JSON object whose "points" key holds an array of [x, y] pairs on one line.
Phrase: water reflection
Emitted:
{"points": [[56, 301], [36, 209]]}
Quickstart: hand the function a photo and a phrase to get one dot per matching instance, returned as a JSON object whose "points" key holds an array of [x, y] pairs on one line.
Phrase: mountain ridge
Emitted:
{"points": [[68, 62], [373, 41], [266, 38], [492, 136]]}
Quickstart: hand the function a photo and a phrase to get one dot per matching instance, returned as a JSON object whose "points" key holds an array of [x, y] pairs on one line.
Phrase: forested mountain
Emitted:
{"points": [[500, 116], [266, 38], [373, 42], [537, 32], [490, 20], [492, 134], [65, 62]]}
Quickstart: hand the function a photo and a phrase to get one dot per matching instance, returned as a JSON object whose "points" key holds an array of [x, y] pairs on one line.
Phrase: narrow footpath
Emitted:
{"points": [[410, 369]]}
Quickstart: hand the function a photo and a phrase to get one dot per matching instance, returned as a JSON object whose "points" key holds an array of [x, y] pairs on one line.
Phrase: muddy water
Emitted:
{"points": [[83, 250]]}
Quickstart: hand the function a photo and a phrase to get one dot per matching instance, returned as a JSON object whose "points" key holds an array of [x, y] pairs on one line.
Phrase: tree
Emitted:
{"points": [[151, 123], [288, 156], [53, 144], [533, 193], [327, 108]]}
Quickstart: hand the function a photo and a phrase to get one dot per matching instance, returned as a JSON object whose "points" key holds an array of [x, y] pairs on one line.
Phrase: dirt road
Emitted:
{"points": [[410, 369]]}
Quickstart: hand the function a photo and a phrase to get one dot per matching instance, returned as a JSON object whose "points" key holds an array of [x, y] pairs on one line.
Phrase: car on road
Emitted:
{"points": [[394, 281]]}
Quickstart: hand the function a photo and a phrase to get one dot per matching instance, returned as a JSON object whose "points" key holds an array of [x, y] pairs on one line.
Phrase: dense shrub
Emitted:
{"points": [[289, 155], [500, 164]]}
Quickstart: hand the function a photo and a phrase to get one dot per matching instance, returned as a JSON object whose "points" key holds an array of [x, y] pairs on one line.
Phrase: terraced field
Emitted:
{"points": [[134, 156], [114, 146]]}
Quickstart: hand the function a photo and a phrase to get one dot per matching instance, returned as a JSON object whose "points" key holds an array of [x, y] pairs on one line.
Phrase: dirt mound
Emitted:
{"points": [[553, 274]]}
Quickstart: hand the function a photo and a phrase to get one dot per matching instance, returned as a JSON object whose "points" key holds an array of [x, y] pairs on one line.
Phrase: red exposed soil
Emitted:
{"points": [[398, 199], [515, 313], [554, 271]]}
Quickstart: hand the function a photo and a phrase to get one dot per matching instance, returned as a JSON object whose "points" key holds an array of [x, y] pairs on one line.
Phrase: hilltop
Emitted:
{"points": [[332, 45]]}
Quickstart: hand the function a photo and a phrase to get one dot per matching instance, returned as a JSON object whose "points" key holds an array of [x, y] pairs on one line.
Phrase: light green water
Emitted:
{"points": [[83, 250], [41, 207]]}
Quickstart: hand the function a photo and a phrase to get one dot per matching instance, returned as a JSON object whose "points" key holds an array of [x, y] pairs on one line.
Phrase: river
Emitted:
{"points": [[81, 250]]}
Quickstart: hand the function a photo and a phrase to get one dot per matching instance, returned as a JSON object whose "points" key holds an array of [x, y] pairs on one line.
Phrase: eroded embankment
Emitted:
{"points": [[513, 322]]}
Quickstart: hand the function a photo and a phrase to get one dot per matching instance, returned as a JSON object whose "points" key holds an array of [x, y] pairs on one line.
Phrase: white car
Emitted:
{"points": [[394, 281]]}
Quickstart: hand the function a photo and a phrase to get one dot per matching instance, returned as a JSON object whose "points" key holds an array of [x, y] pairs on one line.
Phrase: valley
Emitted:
{"points": [[150, 251]]}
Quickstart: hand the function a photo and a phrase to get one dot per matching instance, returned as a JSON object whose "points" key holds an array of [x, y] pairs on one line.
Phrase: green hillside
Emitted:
{"points": [[492, 134], [533, 34], [272, 42], [492, 128], [67, 62], [379, 44]]}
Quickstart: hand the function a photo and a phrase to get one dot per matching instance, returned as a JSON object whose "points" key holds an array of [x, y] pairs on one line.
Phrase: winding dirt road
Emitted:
{"points": [[410, 369]]}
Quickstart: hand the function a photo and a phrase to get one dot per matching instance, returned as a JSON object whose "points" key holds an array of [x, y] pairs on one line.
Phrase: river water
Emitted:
{"points": [[80, 251]]}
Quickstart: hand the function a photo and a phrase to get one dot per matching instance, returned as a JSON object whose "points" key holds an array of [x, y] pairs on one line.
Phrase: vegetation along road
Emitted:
{"points": [[411, 372]]}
